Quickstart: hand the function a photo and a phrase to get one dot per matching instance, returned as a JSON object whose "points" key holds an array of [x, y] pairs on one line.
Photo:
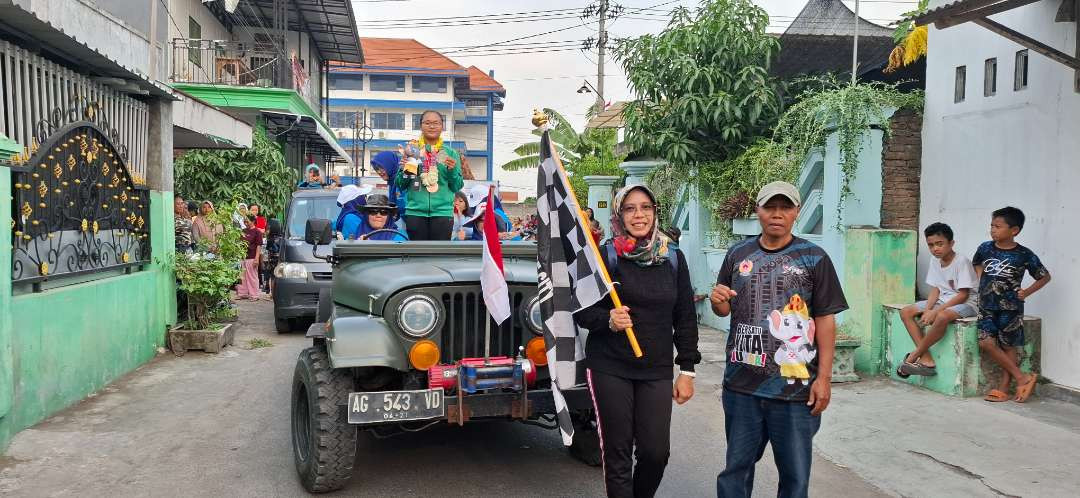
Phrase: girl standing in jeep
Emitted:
{"points": [[430, 172]]}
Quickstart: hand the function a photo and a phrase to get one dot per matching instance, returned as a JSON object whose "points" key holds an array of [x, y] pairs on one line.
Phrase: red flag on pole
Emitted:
{"points": [[492, 279]]}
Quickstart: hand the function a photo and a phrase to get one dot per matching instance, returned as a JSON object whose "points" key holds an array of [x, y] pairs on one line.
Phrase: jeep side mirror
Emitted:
{"points": [[317, 232]]}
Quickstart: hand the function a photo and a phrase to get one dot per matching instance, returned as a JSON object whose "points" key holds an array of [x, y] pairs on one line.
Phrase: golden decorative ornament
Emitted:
{"points": [[51, 157], [42, 205], [42, 189], [115, 197], [104, 206], [18, 234], [84, 225], [43, 165], [34, 222], [99, 185], [123, 210], [124, 257], [44, 268], [140, 222], [26, 237], [539, 119], [33, 146], [95, 227], [123, 196], [78, 181], [57, 170], [71, 162], [105, 169], [35, 175], [72, 203], [52, 235], [64, 184], [18, 186], [56, 149], [56, 190], [27, 210]]}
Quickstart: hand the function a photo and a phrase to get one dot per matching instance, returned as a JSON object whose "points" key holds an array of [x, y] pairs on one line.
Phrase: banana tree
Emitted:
{"points": [[572, 146]]}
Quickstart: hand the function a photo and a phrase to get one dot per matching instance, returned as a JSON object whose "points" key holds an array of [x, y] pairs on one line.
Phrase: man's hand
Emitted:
{"points": [[1023, 294], [820, 394], [619, 319], [721, 294], [683, 389], [928, 317], [450, 163]]}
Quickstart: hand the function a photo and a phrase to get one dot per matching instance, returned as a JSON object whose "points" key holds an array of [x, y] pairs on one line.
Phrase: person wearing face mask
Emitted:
{"points": [[633, 396]]}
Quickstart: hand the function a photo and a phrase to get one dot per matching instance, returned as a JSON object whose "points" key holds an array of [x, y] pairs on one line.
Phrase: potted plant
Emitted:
{"points": [[843, 369], [206, 277]]}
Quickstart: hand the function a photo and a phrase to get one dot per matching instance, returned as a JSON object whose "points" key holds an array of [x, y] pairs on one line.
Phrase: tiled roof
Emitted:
{"points": [[401, 56], [830, 18], [481, 82]]}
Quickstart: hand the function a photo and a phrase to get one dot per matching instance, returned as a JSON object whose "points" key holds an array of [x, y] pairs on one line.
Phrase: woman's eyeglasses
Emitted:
{"points": [[646, 209], [380, 212]]}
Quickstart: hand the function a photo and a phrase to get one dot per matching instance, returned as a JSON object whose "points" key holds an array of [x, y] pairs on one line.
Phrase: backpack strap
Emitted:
{"points": [[673, 258], [610, 258]]}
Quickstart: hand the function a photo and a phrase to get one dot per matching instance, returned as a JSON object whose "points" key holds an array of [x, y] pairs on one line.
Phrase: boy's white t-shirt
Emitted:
{"points": [[960, 274]]}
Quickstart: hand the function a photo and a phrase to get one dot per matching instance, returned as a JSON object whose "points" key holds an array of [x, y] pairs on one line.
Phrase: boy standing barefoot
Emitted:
{"points": [[1000, 264], [953, 278]]}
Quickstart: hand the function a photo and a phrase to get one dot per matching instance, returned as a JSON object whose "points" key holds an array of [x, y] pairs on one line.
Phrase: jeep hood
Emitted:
{"points": [[369, 273]]}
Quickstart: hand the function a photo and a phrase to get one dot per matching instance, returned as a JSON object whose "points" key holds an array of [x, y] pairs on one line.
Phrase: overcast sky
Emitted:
{"points": [[547, 79]]}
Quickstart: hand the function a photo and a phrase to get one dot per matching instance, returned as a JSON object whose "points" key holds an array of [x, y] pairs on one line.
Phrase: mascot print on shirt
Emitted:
{"points": [[795, 329]]}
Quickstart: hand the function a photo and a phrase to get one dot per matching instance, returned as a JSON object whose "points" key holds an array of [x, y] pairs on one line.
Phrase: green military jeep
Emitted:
{"points": [[398, 345]]}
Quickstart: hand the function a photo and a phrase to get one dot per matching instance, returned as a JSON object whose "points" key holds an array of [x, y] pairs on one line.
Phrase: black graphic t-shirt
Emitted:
{"points": [[771, 351], [1003, 272]]}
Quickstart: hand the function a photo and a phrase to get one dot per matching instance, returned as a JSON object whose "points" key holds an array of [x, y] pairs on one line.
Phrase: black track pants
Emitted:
{"points": [[634, 417], [429, 228]]}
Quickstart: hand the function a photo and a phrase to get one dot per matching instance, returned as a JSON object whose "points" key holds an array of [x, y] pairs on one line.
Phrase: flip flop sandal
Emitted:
{"points": [[900, 372], [920, 369], [996, 396], [1024, 392], [903, 370]]}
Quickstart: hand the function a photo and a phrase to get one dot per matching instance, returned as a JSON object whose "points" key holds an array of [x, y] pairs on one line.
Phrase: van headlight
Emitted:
{"points": [[290, 270], [532, 317], [418, 315]]}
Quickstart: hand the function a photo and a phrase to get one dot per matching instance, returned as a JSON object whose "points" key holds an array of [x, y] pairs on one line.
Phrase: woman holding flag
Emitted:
{"points": [[633, 395]]}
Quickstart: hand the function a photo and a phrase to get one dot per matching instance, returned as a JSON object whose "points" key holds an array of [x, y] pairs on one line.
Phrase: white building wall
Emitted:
{"points": [[439, 99], [182, 10], [1016, 148], [474, 135]]}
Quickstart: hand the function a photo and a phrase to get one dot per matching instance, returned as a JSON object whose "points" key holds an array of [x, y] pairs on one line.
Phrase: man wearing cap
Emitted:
{"points": [[782, 293]]}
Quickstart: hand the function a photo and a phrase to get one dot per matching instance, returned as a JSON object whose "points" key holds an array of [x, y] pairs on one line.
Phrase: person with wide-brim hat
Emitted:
{"points": [[373, 221]]}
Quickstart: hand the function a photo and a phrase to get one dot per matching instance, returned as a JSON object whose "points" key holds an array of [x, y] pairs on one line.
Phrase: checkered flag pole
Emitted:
{"points": [[571, 277]]}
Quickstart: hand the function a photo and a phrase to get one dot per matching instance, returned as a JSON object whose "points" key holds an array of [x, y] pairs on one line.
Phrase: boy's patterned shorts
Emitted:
{"points": [[1007, 326]]}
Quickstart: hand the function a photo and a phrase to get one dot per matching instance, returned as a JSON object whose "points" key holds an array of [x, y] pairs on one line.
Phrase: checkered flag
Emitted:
{"points": [[570, 278]]}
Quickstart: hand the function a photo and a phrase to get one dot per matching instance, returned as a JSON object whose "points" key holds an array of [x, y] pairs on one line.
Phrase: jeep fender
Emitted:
{"points": [[359, 340]]}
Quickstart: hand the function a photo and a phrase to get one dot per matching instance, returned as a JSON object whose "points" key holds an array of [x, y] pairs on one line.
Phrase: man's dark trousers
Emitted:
{"points": [[749, 423]]}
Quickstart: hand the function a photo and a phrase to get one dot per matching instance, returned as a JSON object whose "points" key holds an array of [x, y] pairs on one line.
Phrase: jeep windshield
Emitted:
{"points": [[305, 208]]}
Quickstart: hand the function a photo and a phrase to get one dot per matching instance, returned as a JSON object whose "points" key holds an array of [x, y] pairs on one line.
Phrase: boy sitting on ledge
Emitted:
{"points": [[952, 277]]}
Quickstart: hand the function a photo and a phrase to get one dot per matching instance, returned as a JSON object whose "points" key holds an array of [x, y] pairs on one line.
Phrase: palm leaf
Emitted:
{"points": [[522, 163]]}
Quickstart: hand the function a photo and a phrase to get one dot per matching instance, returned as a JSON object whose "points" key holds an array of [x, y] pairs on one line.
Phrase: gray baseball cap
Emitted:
{"points": [[778, 188]]}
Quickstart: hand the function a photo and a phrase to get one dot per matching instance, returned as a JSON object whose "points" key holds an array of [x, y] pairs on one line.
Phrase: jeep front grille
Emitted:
{"points": [[463, 331]]}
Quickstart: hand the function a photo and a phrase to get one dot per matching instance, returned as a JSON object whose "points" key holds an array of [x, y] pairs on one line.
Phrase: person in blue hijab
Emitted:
{"points": [[386, 165], [350, 199], [374, 215], [314, 178]]}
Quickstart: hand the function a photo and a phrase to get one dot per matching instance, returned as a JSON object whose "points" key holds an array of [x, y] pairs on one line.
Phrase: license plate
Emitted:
{"points": [[395, 406]]}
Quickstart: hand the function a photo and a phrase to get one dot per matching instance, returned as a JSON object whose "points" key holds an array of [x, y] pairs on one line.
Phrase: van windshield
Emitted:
{"points": [[305, 208]]}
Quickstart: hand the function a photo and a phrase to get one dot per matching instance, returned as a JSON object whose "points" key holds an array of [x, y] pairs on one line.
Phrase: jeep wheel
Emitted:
{"points": [[283, 325], [324, 444], [586, 444]]}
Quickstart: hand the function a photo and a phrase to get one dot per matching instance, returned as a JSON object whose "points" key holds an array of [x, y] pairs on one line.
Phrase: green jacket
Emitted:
{"points": [[420, 202]]}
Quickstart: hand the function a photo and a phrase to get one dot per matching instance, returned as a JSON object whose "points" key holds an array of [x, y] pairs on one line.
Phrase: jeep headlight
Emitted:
{"points": [[418, 315], [290, 270], [532, 317]]}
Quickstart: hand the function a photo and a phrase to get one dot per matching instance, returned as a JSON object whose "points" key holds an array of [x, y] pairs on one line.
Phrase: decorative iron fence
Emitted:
{"points": [[31, 86], [237, 64], [76, 208]]}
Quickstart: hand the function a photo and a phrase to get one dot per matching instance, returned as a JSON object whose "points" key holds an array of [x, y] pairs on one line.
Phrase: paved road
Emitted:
{"points": [[218, 425]]}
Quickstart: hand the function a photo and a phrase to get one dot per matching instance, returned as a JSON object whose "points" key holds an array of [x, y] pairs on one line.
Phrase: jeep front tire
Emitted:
{"points": [[324, 444]]}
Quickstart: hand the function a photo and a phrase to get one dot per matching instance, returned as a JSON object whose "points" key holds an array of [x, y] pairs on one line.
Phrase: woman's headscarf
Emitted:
{"points": [[649, 251], [388, 161]]}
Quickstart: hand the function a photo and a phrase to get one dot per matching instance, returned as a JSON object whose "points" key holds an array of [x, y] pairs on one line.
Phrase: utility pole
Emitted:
{"points": [[601, 46], [855, 49]]}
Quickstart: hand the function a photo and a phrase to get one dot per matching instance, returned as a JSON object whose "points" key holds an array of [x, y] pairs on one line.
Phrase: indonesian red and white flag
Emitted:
{"points": [[492, 278]]}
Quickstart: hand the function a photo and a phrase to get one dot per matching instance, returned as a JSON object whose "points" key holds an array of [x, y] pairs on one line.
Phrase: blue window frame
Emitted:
{"points": [[388, 120], [428, 84], [385, 83], [346, 82]]}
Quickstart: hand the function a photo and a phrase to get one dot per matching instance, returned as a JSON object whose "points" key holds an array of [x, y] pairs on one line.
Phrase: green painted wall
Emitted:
{"points": [[879, 267], [961, 369], [70, 341], [6, 359]]}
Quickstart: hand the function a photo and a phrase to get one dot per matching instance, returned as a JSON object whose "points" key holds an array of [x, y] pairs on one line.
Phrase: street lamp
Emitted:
{"points": [[587, 87]]}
